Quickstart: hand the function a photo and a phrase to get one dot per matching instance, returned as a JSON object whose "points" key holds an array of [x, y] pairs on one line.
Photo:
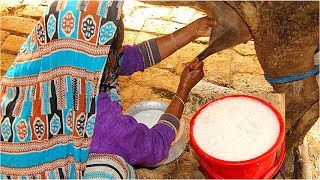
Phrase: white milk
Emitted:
{"points": [[236, 129], [148, 117]]}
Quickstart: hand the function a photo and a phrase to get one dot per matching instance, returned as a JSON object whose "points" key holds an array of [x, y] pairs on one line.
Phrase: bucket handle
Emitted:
{"points": [[277, 167]]}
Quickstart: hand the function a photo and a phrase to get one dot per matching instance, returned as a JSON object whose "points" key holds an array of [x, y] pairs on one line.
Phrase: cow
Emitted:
{"points": [[286, 37]]}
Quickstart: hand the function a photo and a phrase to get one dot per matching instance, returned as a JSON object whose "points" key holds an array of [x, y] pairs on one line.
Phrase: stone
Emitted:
{"points": [[149, 12], [185, 54], [160, 78], [134, 78], [182, 14], [245, 64], [218, 72], [35, 2], [32, 11], [4, 11], [130, 88], [245, 49], [130, 37], [143, 36], [142, 4], [250, 83], [17, 24], [7, 60], [203, 40], [13, 43], [128, 7], [217, 68], [129, 94], [11, 3], [197, 15], [4, 35], [133, 23], [161, 26]]}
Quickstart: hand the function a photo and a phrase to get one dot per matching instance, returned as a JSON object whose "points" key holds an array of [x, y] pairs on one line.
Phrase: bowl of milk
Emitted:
{"points": [[238, 136], [149, 113]]}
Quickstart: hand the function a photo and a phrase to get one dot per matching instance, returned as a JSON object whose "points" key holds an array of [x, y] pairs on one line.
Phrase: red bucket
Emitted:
{"points": [[264, 166]]}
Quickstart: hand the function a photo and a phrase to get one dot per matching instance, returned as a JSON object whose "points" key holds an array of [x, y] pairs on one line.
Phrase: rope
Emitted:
{"points": [[287, 79]]}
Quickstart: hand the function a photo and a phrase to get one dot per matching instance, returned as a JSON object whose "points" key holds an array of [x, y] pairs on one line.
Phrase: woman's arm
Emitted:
{"points": [[116, 133], [172, 42], [190, 76], [148, 53]]}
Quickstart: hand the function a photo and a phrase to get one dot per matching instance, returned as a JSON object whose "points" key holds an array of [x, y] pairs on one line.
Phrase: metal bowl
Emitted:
{"points": [[180, 142]]}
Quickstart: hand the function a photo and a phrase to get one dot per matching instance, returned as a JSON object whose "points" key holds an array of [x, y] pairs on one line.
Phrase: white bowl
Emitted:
{"points": [[180, 142]]}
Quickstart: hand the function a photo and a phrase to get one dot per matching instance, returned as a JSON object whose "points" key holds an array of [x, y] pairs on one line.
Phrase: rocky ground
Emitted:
{"points": [[230, 71]]}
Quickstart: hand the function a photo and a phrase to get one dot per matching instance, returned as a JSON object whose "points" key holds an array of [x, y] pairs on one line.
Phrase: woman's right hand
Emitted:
{"points": [[191, 75]]}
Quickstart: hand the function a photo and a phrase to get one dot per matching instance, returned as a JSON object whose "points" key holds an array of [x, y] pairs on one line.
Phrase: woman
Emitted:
{"points": [[59, 100]]}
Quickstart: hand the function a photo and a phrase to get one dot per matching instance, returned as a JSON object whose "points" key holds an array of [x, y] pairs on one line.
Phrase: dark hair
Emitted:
{"points": [[112, 67]]}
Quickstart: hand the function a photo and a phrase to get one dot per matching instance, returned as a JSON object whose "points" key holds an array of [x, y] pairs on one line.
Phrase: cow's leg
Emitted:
{"points": [[302, 105], [285, 44], [302, 97]]}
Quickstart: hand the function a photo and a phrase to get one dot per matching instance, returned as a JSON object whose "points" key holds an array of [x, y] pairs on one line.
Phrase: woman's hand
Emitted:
{"points": [[203, 26], [191, 75]]}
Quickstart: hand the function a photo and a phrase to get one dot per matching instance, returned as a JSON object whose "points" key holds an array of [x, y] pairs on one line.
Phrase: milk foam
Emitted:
{"points": [[236, 129], [148, 117]]}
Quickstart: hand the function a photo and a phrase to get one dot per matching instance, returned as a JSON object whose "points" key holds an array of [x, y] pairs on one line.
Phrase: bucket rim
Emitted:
{"points": [[271, 151]]}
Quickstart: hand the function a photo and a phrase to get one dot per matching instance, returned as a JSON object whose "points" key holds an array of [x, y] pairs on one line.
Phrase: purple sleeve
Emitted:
{"points": [[132, 60], [139, 57], [116, 133]]}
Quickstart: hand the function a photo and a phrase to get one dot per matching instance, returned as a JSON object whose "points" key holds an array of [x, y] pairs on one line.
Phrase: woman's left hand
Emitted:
{"points": [[203, 26]]}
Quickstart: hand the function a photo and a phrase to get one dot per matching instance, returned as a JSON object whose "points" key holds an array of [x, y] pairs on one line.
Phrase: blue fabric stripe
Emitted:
{"points": [[98, 175], [72, 171], [51, 175], [68, 105], [103, 9], [23, 160], [45, 97], [57, 59], [287, 79], [89, 94]]}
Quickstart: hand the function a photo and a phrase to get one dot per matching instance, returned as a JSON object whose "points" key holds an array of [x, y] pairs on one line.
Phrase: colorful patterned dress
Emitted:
{"points": [[61, 94], [48, 96]]}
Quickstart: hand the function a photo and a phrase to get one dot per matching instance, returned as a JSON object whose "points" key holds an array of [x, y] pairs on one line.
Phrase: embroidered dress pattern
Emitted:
{"points": [[48, 97], [22, 130], [40, 33], [68, 23], [51, 26], [107, 31], [88, 27]]}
